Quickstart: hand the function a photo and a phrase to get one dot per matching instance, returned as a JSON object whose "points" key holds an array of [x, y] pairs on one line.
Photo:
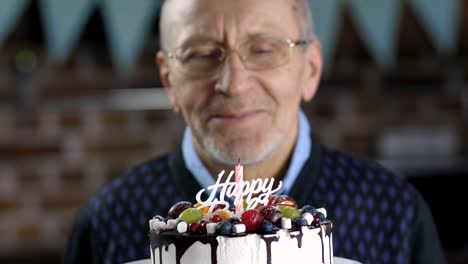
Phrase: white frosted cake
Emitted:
{"points": [[267, 229], [283, 247]]}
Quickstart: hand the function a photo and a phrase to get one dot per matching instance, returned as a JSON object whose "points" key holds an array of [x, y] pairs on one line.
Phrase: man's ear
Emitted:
{"points": [[164, 74], [313, 70]]}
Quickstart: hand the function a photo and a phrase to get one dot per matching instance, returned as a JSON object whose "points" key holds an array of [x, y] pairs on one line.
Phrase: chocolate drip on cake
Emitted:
{"points": [[268, 240], [328, 233], [298, 237], [325, 231], [322, 237], [182, 242]]}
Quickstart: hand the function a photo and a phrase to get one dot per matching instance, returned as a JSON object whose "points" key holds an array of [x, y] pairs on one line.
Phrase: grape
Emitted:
{"points": [[252, 219], [271, 213], [284, 200], [191, 215], [316, 221], [271, 198], [194, 228], [178, 208], [219, 207], [202, 227], [320, 215], [289, 212], [216, 218]]}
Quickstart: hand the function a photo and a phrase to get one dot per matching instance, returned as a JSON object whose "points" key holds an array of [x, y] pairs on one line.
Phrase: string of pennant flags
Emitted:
{"points": [[128, 24]]}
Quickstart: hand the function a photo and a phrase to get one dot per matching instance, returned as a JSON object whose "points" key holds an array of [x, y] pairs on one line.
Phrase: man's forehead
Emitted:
{"points": [[214, 18]]}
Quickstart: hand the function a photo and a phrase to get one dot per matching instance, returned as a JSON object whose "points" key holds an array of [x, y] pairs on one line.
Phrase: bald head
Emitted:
{"points": [[170, 12]]}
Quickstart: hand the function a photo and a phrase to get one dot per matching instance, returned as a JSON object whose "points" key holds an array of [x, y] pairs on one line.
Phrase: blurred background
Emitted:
{"points": [[81, 100]]}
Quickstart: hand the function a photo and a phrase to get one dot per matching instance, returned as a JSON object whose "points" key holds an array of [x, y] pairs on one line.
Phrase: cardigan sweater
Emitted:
{"points": [[378, 217]]}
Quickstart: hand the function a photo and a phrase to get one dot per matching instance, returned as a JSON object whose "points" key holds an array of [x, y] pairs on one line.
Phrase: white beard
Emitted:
{"points": [[261, 151]]}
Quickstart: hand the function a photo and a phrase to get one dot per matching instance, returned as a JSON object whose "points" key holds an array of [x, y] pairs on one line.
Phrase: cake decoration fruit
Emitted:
{"points": [[178, 208], [225, 214], [252, 220], [280, 212], [224, 228], [308, 209], [301, 221], [235, 220], [191, 215], [266, 227], [284, 200], [204, 210], [202, 227], [289, 212], [316, 221], [194, 228], [321, 215], [271, 213], [216, 218]]}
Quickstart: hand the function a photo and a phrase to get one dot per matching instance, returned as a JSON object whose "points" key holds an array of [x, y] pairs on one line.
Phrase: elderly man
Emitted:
{"points": [[237, 72]]}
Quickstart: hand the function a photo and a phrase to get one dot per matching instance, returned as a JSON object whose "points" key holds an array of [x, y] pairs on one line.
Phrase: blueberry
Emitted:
{"points": [[266, 227], [235, 220], [224, 228], [320, 215], [308, 209], [301, 221]]}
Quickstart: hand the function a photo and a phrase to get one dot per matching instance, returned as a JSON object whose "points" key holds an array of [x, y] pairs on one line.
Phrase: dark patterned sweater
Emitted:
{"points": [[377, 216]]}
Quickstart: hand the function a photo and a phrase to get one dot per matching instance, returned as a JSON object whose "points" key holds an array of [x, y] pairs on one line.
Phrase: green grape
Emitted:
{"points": [[191, 215], [289, 212]]}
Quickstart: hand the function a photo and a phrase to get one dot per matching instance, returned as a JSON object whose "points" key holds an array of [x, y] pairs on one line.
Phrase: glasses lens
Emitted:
{"points": [[200, 59], [264, 53]]}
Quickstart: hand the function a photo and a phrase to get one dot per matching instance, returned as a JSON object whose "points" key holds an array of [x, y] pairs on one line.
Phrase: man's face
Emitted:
{"points": [[239, 113]]}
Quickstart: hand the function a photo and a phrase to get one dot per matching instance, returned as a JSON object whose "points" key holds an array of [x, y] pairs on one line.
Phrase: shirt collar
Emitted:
{"points": [[300, 155]]}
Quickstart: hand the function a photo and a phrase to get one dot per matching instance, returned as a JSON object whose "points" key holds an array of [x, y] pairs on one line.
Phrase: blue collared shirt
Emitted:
{"points": [[300, 154]]}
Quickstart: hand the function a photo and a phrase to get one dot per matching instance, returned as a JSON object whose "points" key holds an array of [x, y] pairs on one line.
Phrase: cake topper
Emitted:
{"points": [[254, 193]]}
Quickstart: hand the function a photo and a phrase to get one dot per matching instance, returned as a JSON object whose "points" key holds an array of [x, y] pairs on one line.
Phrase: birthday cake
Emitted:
{"points": [[241, 222]]}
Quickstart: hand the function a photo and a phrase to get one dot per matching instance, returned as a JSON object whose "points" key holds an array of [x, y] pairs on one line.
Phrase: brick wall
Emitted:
{"points": [[51, 164]]}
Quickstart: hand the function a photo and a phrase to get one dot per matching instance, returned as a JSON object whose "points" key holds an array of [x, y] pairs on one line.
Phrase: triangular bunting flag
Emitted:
{"points": [[325, 14], [441, 19], [10, 12], [63, 22], [378, 21], [128, 23]]}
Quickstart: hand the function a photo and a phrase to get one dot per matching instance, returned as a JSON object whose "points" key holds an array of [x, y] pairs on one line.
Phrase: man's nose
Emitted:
{"points": [[233, 77]]}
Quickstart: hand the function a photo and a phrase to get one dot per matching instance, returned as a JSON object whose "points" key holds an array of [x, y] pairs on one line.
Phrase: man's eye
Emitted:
{"points": [[262, 50], [199, 56]]}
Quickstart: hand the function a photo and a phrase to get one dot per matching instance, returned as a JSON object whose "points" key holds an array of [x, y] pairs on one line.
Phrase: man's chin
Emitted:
{"points": [[249, 153]]}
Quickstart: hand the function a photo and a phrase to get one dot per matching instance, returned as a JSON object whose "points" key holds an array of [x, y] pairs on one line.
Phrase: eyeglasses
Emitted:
{"points": [[259, 54]]}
